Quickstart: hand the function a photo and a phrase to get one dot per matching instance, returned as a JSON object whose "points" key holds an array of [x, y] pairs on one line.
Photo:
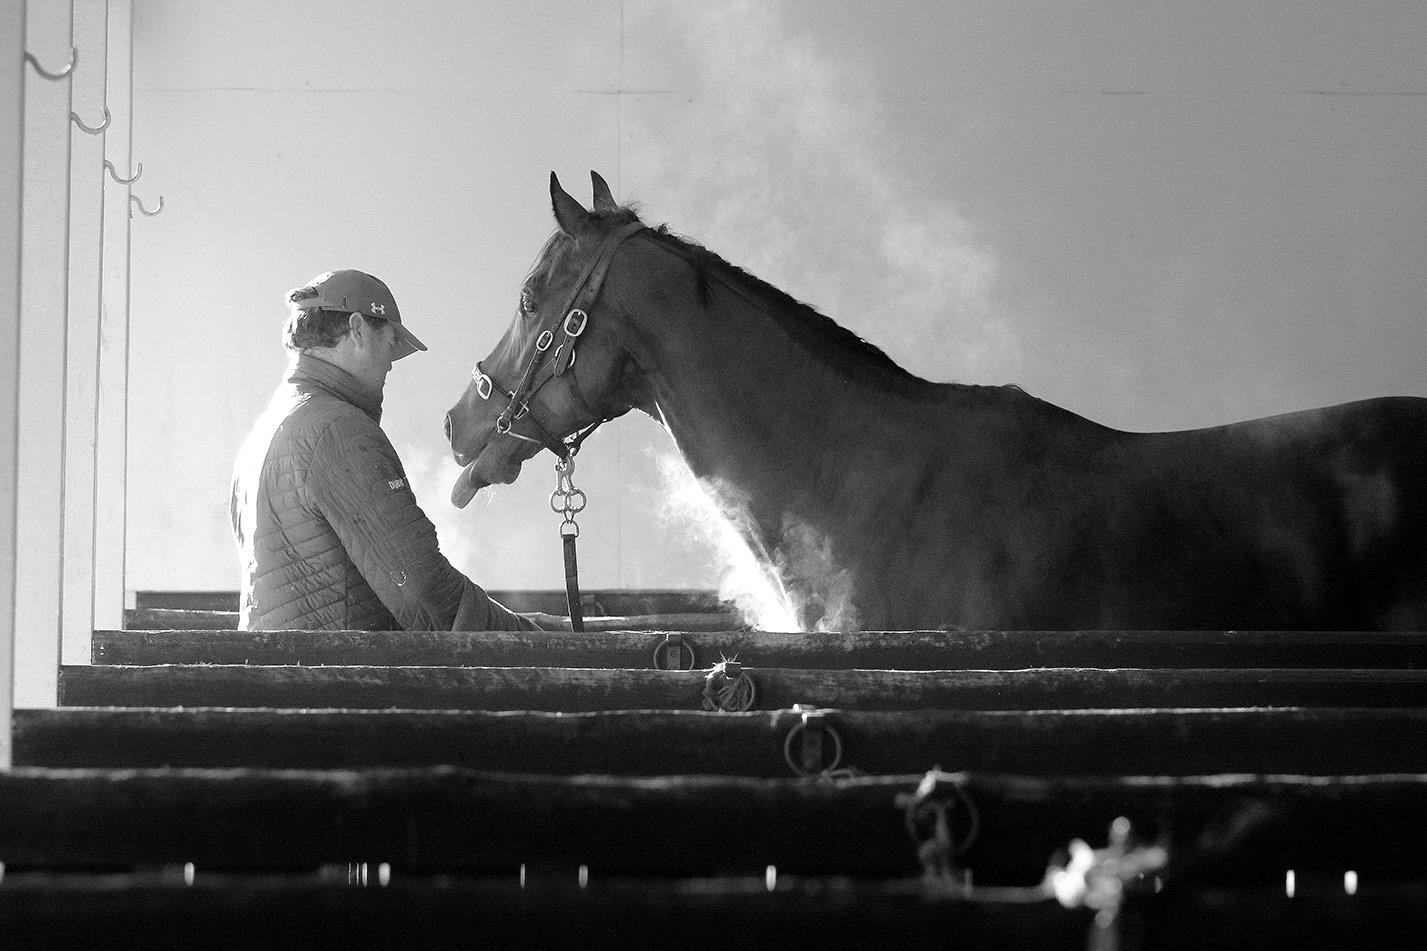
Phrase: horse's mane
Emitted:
{"points": [[823, 337]]}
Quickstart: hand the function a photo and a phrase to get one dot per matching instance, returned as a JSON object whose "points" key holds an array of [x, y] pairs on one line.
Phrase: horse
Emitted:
{"points": [[888, 502]]}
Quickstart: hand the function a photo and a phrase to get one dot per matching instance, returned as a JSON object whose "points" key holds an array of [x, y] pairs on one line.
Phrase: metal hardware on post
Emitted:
{"points": [[92, 129], [114, 173], [927, 813], [670, 653], [816, 732], [728, 688], [68, 69], [142, 210]]}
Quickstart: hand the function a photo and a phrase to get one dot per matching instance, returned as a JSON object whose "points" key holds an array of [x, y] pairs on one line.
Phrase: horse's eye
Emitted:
{"points": [[527, 303]]}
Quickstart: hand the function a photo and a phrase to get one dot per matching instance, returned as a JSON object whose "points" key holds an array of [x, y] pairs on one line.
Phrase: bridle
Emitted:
{"points": [[570, 321]]}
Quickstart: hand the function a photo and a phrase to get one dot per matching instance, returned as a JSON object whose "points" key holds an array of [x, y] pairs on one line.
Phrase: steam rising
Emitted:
{"points": [[784, 162], [714, 515], [795, 587]]}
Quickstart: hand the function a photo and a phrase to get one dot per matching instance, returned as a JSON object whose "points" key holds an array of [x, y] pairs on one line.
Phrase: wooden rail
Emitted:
{"points": [[227, 912], [161, 619], [1231, 828], [633, 743], [900, 650], [595, 601], [579, 689]]}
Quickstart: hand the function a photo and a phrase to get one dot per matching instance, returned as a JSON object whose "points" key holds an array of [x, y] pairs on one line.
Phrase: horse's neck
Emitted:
{"points": [[762, 416]]}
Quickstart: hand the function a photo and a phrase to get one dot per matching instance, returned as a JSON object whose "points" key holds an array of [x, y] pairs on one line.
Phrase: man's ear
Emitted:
{"points": [[356, 325]]}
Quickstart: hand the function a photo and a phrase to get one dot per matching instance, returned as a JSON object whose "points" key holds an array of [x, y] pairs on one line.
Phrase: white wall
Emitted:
{"points": [[1159, 215]]}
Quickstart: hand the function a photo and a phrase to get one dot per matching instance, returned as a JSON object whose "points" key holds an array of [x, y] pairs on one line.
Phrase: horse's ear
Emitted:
{"points": [[604, 201], [569, 213]]}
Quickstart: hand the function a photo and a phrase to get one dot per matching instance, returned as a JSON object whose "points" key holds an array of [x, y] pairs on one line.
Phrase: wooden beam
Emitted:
{"points": [[578, 689], [898, 650], [164, 619], [1072, 742], [1236, 829], [237, 912], [595, 601], [228, 911]]}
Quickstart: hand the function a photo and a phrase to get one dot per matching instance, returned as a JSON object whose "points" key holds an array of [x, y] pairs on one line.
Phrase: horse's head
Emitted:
{"points": [[530, 392]]}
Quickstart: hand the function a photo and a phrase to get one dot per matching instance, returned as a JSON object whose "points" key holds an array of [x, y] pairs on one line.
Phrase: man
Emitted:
{"points": [[329, 533]]}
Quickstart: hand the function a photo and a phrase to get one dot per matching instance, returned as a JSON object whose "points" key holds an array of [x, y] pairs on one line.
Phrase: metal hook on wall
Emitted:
{"points": [[73, 59], [92, 130], [114, 173], [142, 210]]}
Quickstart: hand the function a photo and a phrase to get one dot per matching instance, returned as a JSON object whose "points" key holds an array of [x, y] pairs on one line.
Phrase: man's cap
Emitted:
{"points": [[356, 292]]}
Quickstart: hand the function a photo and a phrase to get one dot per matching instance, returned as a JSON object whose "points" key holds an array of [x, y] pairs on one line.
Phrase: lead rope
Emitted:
{"points": [[569, 501]]}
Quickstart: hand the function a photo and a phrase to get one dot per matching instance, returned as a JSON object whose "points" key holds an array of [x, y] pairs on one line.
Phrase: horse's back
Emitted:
{"points": [[1315, 519], [1341, 492]]}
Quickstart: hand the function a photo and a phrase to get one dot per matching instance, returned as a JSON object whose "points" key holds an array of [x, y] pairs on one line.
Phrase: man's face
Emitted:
{"points": [[375, 350]]}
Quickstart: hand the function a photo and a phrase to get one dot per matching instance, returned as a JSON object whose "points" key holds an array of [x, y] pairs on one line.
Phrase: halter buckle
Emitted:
{"points": [[483, 385], [579, 319], [542, 343]]}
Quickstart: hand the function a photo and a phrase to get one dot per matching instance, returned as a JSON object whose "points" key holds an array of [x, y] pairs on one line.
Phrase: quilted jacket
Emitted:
{"points": [[329, 533]]}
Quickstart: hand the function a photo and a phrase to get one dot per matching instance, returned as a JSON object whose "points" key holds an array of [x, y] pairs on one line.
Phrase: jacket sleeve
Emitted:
{"points": [[358, 485]]}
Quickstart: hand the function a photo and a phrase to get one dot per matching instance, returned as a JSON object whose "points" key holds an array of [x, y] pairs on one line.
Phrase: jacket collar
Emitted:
{"points": [[313, 374]]}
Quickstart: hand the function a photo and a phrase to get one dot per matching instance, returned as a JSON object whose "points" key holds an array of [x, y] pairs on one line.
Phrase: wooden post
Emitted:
{"points": [[111, 453], [87, 179], [12, 150], [44, 291]]}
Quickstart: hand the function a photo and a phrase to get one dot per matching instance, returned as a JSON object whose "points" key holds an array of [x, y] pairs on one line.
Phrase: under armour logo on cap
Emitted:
{"points": [[378, 309]]}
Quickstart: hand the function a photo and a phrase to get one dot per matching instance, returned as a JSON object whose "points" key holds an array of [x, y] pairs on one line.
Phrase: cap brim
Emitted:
{"points": [[409, 343]]}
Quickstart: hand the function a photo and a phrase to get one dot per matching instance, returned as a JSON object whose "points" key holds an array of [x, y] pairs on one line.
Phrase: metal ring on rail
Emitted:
{"points": [[674, 642], [812, 727], [928, 804], [728, 688]]}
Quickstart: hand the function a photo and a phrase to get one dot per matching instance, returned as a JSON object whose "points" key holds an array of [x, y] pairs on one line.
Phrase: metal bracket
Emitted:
{"points": [[817, 734], [670, 653]]}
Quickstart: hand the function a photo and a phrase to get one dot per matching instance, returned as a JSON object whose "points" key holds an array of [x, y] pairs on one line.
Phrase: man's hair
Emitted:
{"points": [[313, 326]]}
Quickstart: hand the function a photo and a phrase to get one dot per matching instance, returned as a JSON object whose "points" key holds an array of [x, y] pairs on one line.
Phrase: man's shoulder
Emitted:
{"points": [[337, 424], [316, 413]]}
